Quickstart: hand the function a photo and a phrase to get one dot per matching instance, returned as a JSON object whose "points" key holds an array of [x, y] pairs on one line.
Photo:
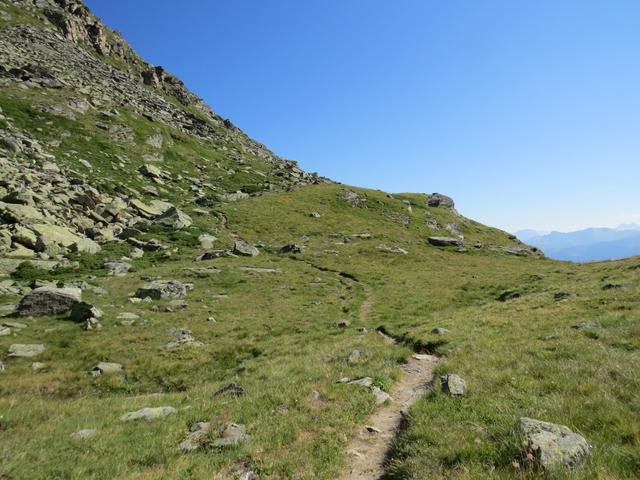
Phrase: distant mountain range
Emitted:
{"points": [[591, 244]]}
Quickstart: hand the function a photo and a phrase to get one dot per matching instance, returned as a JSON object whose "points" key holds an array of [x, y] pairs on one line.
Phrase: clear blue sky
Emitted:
{"points": [[526, 112]]}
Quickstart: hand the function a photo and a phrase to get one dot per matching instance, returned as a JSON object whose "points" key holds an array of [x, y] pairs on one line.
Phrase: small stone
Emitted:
{"points": [[148, 414], [440, 331], [364, 382], [84, 434], [117, 269], [291, 248], [106, 368], [354, 357], [232, 389], [206, 241], [35, 366], [453, 384], [92, 324], [508, 295], [128, 316], [380, 395], [240, 247], [342, 323], [561, 296]]}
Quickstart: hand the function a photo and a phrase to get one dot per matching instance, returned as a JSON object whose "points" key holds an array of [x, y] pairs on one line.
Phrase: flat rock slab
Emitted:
{"points": [[25, 351], [83, 434], [231, 434], [164, 289], [445, 241], [48, 301], [148, 414], [553, 446], [106, 368]]}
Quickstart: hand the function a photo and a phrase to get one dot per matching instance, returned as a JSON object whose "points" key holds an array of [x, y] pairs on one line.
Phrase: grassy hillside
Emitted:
{"points": [[275, 336], [282, 328]]}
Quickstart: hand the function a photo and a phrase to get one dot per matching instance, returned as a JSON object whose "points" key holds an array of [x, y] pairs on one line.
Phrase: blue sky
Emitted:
{"points": [[526, 112]]}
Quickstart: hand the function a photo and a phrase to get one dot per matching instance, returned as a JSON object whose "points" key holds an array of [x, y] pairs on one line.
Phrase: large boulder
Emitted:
{"points": [[445, 241], [553, 446], [53, 236], [439, 200], [49, 301]]}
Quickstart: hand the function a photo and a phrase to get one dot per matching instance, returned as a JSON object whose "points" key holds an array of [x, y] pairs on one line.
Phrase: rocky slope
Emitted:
{"points": [[59, 65]]}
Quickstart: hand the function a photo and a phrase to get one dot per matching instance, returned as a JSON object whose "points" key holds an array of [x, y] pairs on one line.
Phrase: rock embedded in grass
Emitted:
{"points": [[439, 331], [508, 295], [83, 311], [117, 269], [231, 434], [48, 301], [106, 368], [84, 434], [553, 446], [161, 289], [445, 241], [453, 385], [21, 350], [148, 413], [196, 438]]}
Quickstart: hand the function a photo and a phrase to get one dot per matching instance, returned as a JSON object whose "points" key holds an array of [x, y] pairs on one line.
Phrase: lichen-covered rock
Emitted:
{"points": [[163, 289], [231, 434], [240, 247], [50, 235], [454, 385], [25, 350], [49, 301], [148, 414], [553, 446], [196, 438]]}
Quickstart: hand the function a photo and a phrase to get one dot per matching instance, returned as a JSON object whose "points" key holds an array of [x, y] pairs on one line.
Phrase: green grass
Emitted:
{"points": [[275, 336], [275, 333]]}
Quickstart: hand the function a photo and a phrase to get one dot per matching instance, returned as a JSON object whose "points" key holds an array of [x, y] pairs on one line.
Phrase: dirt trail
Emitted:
{"points": [[372, 442]]}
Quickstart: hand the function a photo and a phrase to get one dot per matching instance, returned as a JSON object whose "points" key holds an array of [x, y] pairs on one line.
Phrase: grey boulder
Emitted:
{"points": [[445, 241], [48, 301], [454, 385], [553, 446]]}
